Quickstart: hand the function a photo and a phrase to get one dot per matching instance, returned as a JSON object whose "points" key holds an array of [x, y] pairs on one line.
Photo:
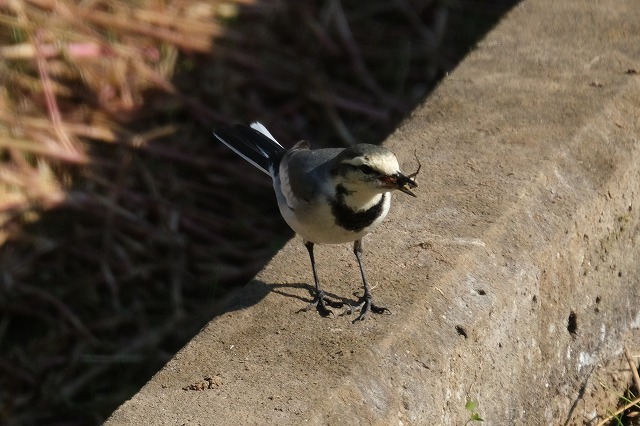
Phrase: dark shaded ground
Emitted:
{"points": [[99, 292]]}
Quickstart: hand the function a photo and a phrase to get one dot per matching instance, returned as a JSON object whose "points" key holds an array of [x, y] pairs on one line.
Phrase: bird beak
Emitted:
{"points": [[400, 182]]}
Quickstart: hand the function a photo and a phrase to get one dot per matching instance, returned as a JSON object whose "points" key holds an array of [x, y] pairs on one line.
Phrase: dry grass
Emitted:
{"points": [[121, 220], [628, 412]]}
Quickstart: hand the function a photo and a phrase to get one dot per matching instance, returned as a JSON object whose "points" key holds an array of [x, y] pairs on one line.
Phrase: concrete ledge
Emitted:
{"points": [[513, 279]]}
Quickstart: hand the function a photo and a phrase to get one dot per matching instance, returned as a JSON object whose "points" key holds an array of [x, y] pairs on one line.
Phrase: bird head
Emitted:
{"points": [[372, 168]]}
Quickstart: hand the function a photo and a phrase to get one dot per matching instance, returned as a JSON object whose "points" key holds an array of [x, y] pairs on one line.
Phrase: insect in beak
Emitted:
{"points": [[405, 183], [400, 182]]}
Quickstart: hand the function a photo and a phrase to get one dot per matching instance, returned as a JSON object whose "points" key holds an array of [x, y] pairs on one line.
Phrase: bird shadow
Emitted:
{"points": [[256, 290], [281, 289]]}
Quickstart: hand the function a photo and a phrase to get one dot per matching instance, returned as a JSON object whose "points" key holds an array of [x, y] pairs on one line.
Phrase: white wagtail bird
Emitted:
{"points": [[327, 196]]}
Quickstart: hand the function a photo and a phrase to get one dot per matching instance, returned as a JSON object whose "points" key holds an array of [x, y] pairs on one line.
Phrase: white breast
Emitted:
{"points": [[313, 220]]}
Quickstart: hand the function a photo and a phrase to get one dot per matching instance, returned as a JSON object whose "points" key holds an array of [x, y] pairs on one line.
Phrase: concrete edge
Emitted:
{"points": [[518, 283]]}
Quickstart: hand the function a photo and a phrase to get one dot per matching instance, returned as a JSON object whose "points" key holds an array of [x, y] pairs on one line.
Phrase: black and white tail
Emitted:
{"points": [[254, 143]]}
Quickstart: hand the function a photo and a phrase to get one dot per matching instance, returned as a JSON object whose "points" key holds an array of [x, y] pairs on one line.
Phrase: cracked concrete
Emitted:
{"points": [[513, 278]]}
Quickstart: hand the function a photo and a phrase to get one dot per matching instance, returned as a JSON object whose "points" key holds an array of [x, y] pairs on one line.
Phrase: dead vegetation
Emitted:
{"points": [[628, 411], [121, 220]]}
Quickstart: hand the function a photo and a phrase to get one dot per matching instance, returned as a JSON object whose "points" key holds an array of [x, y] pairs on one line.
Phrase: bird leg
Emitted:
{"points": [[364, 303], [319, 301]]}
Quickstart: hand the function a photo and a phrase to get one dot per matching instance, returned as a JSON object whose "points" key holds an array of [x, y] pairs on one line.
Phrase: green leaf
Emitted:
{"points": [[476, 417], [471, 405]]}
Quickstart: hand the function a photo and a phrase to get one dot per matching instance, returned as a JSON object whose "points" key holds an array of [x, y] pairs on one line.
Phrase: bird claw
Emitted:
{"points": [[365, 305], [320, 302]]}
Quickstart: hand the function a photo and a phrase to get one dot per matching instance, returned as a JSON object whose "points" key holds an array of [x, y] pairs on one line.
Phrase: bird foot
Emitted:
{"points": [[365, 305], [320, 302]]}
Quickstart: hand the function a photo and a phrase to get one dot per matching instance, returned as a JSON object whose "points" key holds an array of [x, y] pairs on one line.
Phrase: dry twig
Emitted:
{"points": [[633, 367]]}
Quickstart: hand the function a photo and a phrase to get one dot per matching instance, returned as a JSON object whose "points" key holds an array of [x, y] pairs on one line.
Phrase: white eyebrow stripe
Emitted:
{"points": [[356, 161]]}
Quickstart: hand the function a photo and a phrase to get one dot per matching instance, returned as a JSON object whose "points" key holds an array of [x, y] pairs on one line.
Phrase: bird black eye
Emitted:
{"points": [[368, 170]]}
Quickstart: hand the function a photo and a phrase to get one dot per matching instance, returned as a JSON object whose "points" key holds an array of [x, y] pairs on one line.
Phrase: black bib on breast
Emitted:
{"points": [[350, 219]]}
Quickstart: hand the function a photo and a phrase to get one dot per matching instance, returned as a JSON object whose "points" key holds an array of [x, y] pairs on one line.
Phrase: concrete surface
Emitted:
{"points": [[513, 278]]}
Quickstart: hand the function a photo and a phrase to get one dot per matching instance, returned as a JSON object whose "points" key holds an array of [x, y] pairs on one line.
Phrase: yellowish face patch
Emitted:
{"points": [[384, 164]]}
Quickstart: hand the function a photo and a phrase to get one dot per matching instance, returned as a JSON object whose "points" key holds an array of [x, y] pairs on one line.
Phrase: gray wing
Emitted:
{"points": [[309, 170]]}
